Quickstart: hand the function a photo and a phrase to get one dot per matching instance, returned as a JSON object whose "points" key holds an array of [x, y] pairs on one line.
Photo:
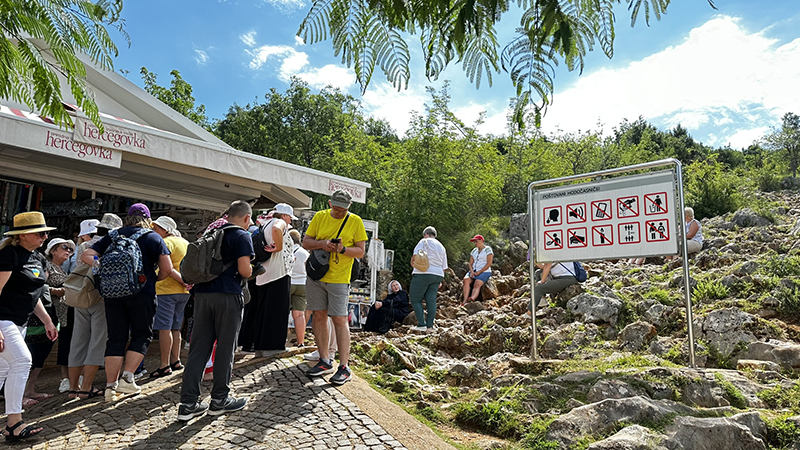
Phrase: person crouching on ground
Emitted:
{"points": [[218, 309]]}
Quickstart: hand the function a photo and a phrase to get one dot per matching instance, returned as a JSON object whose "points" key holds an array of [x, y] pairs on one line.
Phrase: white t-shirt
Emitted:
{"points": [[562, 269], [280, 263], [299, 271], [480, 257], [437, 256]]}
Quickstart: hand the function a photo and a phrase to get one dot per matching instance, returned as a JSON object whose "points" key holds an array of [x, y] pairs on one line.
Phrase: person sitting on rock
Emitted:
{"points": [[551, 278], [394, 308]]}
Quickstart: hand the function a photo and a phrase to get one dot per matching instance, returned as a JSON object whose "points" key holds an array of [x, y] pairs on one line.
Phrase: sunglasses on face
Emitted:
{"points": [[42, 234], [66, 247]]}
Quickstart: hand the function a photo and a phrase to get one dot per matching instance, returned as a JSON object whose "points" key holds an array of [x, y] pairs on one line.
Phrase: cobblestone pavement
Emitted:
{"points": [[286, 410]]}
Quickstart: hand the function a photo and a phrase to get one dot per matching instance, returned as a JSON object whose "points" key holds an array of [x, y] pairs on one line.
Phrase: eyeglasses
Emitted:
{"points": [[67, 248]]}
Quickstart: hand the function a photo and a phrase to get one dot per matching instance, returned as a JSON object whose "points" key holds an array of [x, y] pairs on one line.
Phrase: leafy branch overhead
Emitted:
{"points": [[66, 28], [369, 33]]}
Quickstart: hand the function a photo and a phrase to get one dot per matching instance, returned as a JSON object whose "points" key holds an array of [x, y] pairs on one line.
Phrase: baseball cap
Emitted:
{"points": [[284, 208], [139, 209], [341, 198], [477, 237]]}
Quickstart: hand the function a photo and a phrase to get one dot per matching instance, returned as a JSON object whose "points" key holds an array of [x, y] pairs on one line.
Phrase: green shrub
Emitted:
{"points": [[498, 417], [781, 434], [534, 438], [781, 266], [711, 190], [708, 289], [790, 301], [660, 295]]}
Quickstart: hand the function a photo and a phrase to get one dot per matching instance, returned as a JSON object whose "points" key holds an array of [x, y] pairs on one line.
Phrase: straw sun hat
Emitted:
{"points": [[28, 222]]}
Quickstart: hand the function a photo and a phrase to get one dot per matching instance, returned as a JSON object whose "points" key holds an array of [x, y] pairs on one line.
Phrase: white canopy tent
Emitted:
{"points": [[149, 151]]}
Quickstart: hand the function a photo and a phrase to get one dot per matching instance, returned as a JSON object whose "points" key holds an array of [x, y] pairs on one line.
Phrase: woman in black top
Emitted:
{"points": [[22, 282], [394, 308]]}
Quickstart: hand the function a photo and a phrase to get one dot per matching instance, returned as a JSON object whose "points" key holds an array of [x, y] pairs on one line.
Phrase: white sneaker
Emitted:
{"points": [[128, 388], [423, 329], [313, 356], [80, 381], [110, 394], [64, 386]]}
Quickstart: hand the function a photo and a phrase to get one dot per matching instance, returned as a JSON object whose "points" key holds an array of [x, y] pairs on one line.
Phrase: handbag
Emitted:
{"points": [[421, 261], [318, 261], [79, 288]]}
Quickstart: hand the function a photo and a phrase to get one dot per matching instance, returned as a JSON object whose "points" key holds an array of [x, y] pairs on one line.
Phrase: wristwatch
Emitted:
{"points": [[343, 249]]}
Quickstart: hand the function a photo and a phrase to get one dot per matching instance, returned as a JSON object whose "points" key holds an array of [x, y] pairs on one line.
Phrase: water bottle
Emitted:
{"points": [[96, 265]]}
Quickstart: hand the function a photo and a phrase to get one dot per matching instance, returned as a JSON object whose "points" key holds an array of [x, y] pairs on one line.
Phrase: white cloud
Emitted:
{"points": [[333, 75], [717, 76], [200, 56], [248, 39], [298, 41], [383, 101], [743, 138], [286, 6], [261, 54]]}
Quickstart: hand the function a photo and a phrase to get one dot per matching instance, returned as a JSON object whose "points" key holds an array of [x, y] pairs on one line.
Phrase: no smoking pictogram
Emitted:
{"points": [[552, 216], [627, 207], [553, 240], [602, 235], [576, 213], [655, 203], [601, 210], [629, 233], [576, 237], [656, 230]]}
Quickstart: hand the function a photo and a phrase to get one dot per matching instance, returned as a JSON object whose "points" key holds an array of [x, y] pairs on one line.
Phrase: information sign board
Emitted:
{"points": [[616, 218]]}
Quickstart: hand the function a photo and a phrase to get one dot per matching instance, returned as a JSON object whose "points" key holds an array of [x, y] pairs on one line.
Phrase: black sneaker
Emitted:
{"points": [[341, 377], [187, 412], [230, 404], [321, 368], [258, 269]]}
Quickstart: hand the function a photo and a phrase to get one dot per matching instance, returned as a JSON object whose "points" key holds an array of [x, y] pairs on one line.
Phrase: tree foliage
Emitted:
{"points": [[29, 74], [369, 34], [787, 140], [178, 96]]}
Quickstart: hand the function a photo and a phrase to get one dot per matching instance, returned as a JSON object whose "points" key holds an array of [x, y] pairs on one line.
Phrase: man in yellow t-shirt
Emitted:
{"points": [[172, 297], [328, 295]]}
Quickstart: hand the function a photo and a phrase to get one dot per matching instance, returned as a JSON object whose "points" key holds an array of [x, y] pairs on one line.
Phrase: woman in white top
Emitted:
{"points": [[272, 311], [551, 278], [298, 292], [425, 284], [480, 268], [694, 232]]}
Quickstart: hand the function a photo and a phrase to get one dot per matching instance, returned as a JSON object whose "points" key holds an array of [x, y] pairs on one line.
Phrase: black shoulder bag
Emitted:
{"points": [[318, 261]]}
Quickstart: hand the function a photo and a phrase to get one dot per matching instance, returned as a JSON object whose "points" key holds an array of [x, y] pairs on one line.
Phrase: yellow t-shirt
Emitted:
{"points": [[177, 249], [324, 226]]}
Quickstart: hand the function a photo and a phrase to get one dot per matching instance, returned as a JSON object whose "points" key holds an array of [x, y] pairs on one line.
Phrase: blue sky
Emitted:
{"points": [[727, 75]]}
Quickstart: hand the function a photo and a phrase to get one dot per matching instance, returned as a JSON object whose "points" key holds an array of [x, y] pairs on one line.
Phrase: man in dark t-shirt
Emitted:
{"points": [[134, 313], [218, 307]]}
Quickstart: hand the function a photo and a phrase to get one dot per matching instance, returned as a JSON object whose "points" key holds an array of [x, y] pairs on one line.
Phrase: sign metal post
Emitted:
{"points": [[609, 218]]}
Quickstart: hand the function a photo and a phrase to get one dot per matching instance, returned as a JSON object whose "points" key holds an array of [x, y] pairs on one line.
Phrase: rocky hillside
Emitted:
{"points": [[614, 371]]}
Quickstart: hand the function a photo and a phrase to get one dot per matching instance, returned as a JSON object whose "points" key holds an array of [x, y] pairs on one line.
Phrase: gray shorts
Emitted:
{"points": [[327, 296]]}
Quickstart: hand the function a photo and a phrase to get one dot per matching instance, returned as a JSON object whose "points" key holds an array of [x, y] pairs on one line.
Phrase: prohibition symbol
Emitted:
{"points": [[655, 203], [656, 230], [627, 207], [552, 240], [552, 216], [602, 235], [601, 210], [576, 213], [629, 233], [576, 237]]}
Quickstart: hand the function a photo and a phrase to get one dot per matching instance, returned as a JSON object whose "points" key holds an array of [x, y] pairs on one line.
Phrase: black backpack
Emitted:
{"points": [[259, 244], [203, 260]]}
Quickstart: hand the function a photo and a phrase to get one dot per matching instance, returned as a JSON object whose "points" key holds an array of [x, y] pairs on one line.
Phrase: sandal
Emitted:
{"points": [[176, 365], [27, 432], [29, 402], [162, 372], [96, 392], [73, 394]]}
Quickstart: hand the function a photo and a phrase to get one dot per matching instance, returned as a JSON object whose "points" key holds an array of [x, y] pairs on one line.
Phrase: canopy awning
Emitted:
{"points": [[144, 162]]}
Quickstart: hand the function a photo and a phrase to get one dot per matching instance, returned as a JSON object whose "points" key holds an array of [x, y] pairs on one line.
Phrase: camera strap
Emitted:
{"points": [[343, 224]]}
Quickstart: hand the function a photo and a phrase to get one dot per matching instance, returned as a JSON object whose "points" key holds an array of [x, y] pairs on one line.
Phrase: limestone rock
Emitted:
{"points": [[594, 309], [748, 218], [634, 437], [605, 389], [716, 433], [636, 336], [725, 328]]}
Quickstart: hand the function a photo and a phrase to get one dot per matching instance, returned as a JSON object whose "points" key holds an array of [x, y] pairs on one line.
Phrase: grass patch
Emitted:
{"points": [[660, 295], [780, 398], [500, 417], [732, 393], [790, 301], [604, 364], [534, 437], [781, 434], [781, 266]]}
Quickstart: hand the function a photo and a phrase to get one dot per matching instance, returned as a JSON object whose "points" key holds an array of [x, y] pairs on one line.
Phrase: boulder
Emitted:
{"points": [[784, 353], [595, 309], [636, 336], [518, 227], [634, 437], [603, 416], [568, 339], [748, 218], [715, 433], [605, 389], [725, 329]]}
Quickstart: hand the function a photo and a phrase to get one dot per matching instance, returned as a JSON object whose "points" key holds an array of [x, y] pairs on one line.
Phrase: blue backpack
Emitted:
{"points": [[121, 269], [577, 271]]}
